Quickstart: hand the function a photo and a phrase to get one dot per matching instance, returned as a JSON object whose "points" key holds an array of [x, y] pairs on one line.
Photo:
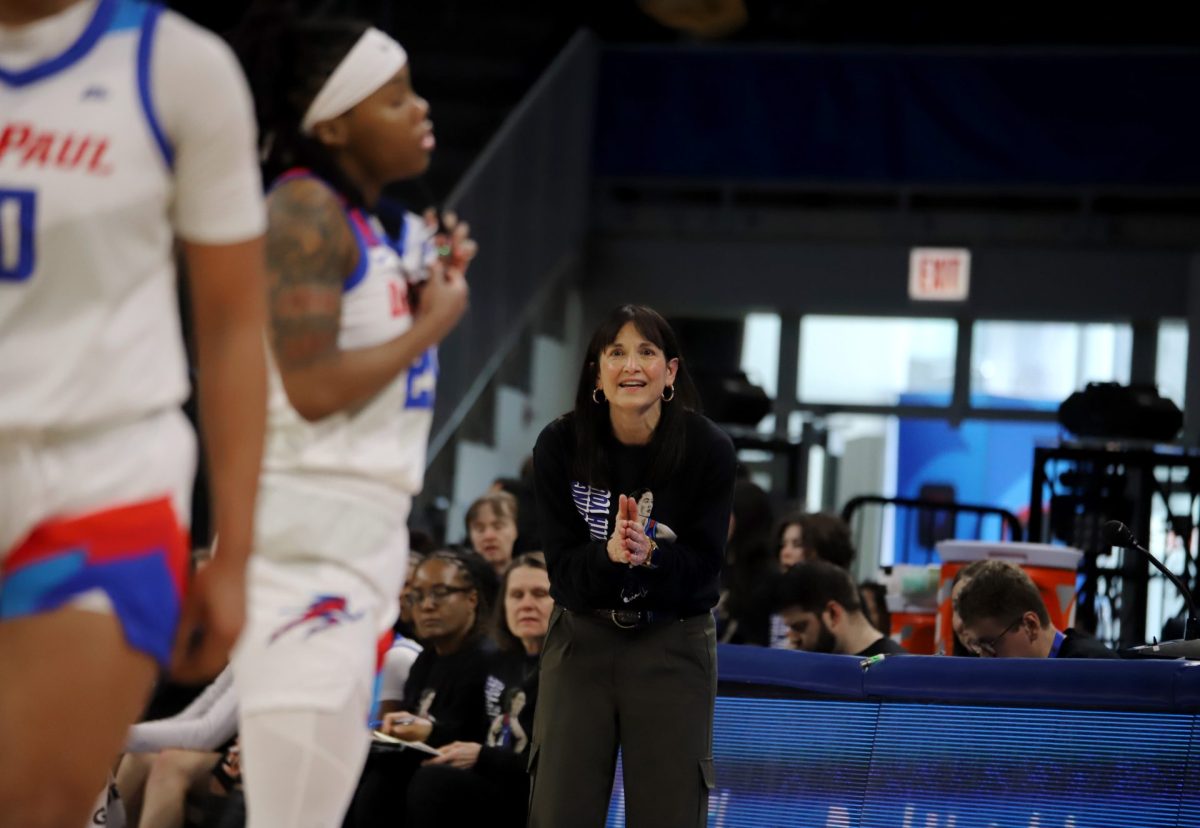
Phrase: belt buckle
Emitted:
{"points": [[616, 615]]}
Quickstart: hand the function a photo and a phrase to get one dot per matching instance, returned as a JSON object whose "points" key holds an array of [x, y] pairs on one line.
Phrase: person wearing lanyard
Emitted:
{"points": [[630, 656], [1004, 616]]}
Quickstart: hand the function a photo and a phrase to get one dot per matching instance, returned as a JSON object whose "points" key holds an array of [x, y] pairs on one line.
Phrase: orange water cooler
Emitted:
{"points": [[1052, 568], [914, 628]]}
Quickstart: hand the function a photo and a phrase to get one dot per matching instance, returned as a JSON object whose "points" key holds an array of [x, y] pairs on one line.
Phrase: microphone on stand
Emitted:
{"points": [[1116, 533]]}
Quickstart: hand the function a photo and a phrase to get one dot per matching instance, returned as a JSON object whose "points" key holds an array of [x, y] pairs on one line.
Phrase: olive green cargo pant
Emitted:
{"points": [[649, 692]]}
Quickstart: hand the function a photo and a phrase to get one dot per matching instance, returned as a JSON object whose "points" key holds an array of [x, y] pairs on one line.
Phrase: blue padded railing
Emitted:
{"points": [[802, 739], [1116, 684]]}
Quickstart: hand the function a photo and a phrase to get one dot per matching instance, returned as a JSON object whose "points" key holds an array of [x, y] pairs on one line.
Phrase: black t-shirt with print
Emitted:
{"points": [[450, 689], [506, 748], [689, 521], [506, 670]]}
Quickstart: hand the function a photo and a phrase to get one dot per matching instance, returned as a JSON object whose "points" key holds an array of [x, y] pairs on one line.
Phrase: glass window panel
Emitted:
{"points": [[865, 448], [760, 350], [760, 358], [1170, 373], [876, 360], [1045, 361]]}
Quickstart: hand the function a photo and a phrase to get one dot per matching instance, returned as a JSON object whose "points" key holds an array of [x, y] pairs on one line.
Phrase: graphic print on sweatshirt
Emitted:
{"points": [[593, 505], [654, 530], [506, 730]]}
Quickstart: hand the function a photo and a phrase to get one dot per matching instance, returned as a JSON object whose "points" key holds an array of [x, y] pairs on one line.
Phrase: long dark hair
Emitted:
{"points": [[825, 534], [593, 428], [287, 60]]}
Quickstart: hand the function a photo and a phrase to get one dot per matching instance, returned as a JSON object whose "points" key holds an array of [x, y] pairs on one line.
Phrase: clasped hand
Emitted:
{"points": [[628, 543]]}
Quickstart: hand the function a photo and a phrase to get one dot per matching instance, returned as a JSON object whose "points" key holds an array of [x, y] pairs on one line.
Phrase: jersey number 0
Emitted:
{"points": [[18, 210]]}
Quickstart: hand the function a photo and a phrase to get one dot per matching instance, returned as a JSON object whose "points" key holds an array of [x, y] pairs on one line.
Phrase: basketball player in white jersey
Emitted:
{"points": [[351, 402], [123, 131]]}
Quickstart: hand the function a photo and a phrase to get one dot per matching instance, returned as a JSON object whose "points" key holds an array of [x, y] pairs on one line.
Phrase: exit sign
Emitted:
{"points": [[939, 274]]}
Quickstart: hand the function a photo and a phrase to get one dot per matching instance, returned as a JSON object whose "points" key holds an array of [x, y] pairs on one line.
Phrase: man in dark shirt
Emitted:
{"points": [[823, 612], [1004, 616]]}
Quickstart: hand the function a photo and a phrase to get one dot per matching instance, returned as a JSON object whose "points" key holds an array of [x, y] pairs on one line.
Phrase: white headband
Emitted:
{"points": [[375, 58]]}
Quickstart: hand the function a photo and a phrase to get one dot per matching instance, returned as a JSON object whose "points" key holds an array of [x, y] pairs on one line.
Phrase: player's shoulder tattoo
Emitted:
{"points": [[310, 252]]}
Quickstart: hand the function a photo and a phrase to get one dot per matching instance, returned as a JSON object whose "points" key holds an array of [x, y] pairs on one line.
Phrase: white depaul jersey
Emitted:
{"points": [[122, 126], [384, 440]]}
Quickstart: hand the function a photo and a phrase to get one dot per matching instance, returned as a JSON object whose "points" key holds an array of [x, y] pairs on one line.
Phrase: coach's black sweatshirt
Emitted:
{"points": [[689, 522]]}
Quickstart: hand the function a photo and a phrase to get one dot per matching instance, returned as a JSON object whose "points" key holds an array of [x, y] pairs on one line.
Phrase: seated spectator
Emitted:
{"points": [[874, 601], [442, 696], [806, 537], [819, 604], [473, 783], [1003, 616], [518, 627], [492, 528], [814, 536]]}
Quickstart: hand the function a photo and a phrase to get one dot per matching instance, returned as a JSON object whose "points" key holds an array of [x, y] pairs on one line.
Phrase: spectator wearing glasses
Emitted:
{"points": [[823, 613], [446, 681], [1003, 616], [443, 695], [471, 783]]}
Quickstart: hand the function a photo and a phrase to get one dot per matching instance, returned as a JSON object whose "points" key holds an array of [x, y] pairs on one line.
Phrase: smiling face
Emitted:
{"points": [[633, 371]]}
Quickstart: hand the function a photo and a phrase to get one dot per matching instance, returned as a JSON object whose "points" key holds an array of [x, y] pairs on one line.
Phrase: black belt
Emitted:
{"points": [[630, 619]]}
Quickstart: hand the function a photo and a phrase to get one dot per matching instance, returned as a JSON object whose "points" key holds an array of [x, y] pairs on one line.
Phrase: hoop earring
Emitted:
{"points": [[596, 400], [665, 398]]}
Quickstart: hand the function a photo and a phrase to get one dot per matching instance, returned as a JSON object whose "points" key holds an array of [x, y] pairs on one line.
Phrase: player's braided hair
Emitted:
{"points": [[287, 59]]}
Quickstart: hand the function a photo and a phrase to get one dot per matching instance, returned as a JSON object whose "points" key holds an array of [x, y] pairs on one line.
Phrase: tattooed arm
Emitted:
{"points": [[310, 253]]}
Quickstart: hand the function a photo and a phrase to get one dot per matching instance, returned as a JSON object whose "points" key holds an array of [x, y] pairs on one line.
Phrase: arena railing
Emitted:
{"points": [[942, 742], [526, 197]]}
